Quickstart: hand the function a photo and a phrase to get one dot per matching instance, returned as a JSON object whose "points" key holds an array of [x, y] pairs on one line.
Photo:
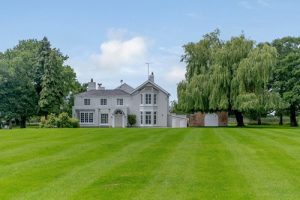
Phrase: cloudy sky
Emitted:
{"points": [[112, 40]]}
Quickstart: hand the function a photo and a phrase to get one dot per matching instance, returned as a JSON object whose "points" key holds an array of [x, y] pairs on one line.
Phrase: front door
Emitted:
{"points": [[118, 120]]}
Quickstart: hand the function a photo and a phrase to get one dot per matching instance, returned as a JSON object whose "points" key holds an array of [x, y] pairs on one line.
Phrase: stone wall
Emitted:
{"points": [[223, 118], [196, 119]]}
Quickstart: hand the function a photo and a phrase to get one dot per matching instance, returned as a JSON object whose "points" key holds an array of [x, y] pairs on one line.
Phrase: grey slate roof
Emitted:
{"points": [[125, 87], [115, 92]]}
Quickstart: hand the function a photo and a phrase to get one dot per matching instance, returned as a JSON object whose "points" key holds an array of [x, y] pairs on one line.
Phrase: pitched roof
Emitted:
{"points": [[126, 88], [115, 92], [152, 83]]}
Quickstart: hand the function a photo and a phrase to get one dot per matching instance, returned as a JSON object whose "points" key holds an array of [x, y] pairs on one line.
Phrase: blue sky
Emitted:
{"points": [[112, 40]]}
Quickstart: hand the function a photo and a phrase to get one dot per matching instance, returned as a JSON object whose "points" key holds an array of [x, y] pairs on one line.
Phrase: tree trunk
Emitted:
{"points": [[258, 120], [239, 118], [293, 118], [280, 119], [23, 122], [10, 124]]}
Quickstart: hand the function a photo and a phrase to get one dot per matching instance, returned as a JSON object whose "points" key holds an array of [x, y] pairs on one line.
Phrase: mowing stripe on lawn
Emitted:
{"points": [[80, 176], [261, 165], [60, 152], [60, 164], [125, 180], [218, 174]]}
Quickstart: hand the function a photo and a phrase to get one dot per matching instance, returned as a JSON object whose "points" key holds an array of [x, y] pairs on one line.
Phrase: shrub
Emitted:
{"points": [[131, 120], [74, 123], [62, 121], [51, 122]]}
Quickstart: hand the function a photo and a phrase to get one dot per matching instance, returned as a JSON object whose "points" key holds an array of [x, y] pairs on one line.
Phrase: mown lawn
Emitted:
{"points": [[203, 163]]}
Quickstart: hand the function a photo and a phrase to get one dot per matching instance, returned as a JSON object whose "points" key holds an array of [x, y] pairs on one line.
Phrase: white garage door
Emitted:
{"points": [[183, 123], [211, 119]]}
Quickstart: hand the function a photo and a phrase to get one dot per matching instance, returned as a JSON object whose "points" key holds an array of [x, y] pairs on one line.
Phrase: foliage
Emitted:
{"points": [[34, 80], [231, 75], [286, 80], [61, 121], [253, 77], [17, 92], [131, 120]]}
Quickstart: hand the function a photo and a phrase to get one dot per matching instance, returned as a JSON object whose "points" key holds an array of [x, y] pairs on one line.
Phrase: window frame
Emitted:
{"points": [[86, 117], [120, 102], [148, 99], [148, 115], [102, 118], [103, 102], [87, 102], [154, 99], [141, 117]]}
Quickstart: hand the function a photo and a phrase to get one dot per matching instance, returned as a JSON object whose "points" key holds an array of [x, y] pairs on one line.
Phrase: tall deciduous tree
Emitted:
{"points": [[287, 74], [211, 66], [253, 76], [17, 93]]}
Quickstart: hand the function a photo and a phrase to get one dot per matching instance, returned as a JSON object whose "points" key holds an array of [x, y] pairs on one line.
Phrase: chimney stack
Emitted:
{"points": [[151, 77], [91, 85]]}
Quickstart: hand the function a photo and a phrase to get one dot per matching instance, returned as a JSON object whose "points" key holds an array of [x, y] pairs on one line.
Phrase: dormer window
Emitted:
{"points": [[148, 98], [87, 102]]}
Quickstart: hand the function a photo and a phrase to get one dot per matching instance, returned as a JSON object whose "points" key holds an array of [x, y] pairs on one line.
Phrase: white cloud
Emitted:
{"points": [[122, 56], [117, 53]]}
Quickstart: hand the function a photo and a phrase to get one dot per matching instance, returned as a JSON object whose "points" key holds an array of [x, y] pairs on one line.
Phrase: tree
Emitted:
{"points": [[52, 78], [193, 93], [286, 79], [211, 67], [34, 80], [253, 76], [17, 92]]}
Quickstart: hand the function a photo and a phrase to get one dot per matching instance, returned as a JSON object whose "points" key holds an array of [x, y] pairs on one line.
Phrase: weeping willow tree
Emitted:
{"points": [[193, 93], [212, 82], [254, 94]]}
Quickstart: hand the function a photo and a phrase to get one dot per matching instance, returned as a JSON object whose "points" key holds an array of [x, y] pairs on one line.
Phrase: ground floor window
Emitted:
{"points": [[141, 117], [154, 117], [104, 118], [148, 117], [86, 117]]}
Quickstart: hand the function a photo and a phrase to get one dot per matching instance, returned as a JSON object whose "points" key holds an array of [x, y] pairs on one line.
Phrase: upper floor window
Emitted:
{"points": [[119, 101], [103, 101], [141, 98], [154, 98], [87, 102], [148, 98]]}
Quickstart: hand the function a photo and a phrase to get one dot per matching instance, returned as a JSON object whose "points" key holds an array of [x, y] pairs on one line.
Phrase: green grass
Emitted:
{"points": [[199, 163]]}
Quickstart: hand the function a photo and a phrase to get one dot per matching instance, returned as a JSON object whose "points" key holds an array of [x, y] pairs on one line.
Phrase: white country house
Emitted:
{"points": [[100, 107]]}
